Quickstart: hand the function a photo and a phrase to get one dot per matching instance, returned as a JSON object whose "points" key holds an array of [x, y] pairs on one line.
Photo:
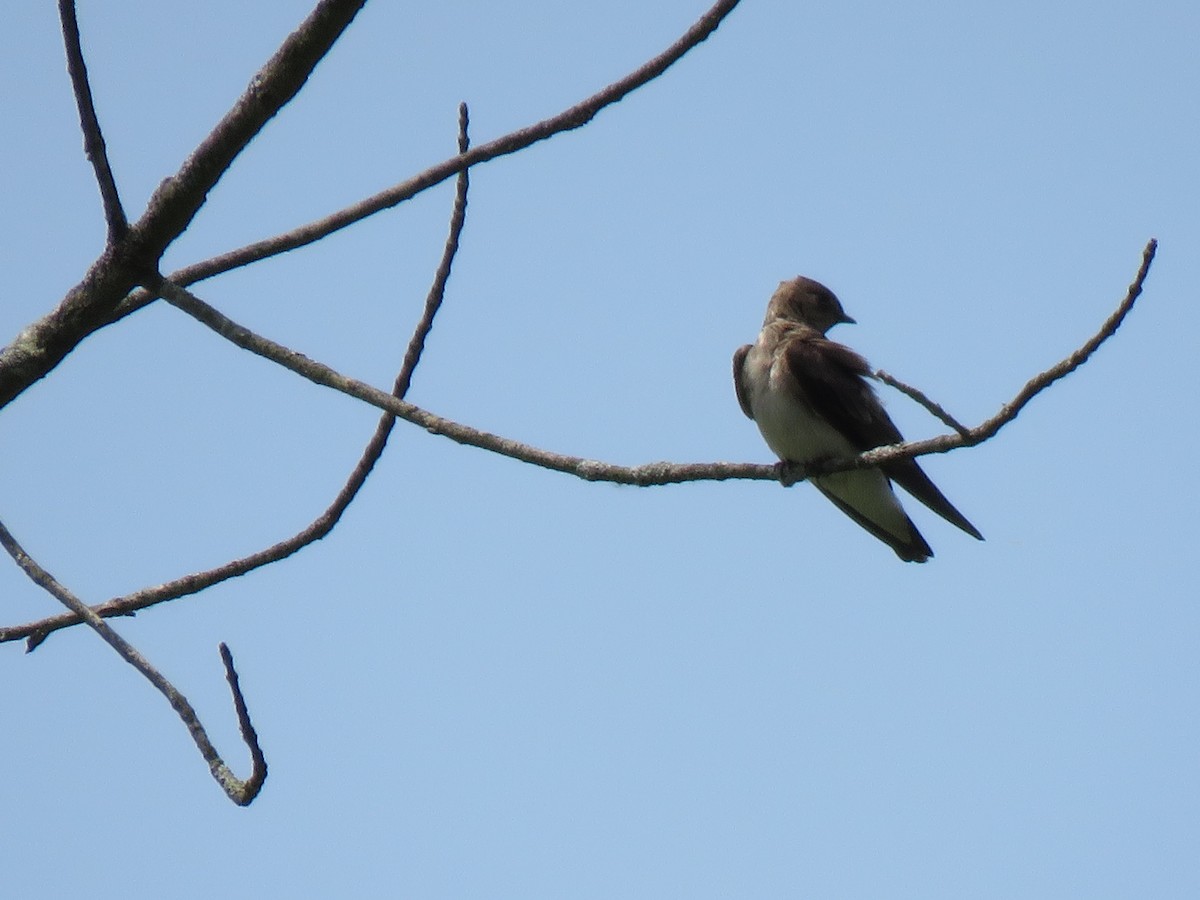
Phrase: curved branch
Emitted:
{"points": [[935, 409], [93, 138], [104, 296], [240, 792], [567, 120], [654, 473], [647, 475], [989, 427], [323, 524]]}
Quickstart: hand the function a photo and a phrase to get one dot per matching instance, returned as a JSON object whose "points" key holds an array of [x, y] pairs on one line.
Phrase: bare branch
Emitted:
{"points": [[319, 373], [93, 138], [104, 295], [658, 473], [89, 305], [324, 524], [258, 762], [179, 198], [575, 117], [647, 475], [240, 792], [1042, 381], [437, 290], [1032, 388], [915, 394]]}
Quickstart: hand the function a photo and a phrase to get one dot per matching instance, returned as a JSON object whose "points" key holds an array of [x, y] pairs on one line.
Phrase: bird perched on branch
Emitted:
{"points": [[811, 400]]}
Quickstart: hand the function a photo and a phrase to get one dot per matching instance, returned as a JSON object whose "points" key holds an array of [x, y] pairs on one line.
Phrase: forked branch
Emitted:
{"points": [[652, 473], [989, 427], [89, 305], [647, 475], [569, 119], [240, 792], [323, 524]]}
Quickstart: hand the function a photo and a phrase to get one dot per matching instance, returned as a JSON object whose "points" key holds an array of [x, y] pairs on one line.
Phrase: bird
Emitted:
{"points": [[812, 400]]}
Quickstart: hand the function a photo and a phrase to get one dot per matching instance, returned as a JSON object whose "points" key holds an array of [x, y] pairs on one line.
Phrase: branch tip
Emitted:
{"points": [[240, 792], [243, 793], [94, 147]]}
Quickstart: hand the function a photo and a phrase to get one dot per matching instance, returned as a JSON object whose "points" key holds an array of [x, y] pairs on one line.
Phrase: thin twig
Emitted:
{"points": [[1040, 382], [916, 394], [319, 373], [647, 475], [1032, 388], [323, 524], [567, 120], [104, 295], [177, 199], [240, 792], [93, 138], [437, 290], [258, 770], [591, 470]]}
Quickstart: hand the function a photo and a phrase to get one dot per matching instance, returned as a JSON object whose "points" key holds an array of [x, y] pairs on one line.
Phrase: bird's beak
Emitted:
{"points": [[848, 320]]}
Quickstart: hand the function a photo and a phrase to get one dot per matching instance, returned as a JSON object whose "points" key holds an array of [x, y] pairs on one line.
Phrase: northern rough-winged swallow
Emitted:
{"points": [[811, 400]]}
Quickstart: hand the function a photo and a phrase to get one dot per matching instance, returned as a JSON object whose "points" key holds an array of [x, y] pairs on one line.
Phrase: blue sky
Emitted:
{"points": [[492, 680]]}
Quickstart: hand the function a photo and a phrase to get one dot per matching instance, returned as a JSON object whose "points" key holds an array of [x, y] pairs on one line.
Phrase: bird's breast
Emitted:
{"points": [[790, 426]]}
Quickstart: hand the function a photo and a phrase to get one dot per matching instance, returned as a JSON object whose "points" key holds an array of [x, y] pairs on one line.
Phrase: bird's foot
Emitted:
{"points": [[790, 472]]}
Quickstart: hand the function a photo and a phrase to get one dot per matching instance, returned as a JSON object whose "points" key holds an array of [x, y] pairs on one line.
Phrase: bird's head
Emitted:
{"points": [[807, 302]]}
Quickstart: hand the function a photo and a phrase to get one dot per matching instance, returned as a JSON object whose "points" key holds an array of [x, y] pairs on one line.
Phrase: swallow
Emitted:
{"points": [[812, 400]]}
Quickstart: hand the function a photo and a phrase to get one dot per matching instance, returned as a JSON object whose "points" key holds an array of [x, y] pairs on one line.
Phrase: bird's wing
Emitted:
{"points": [[833, 380], [739, 380], [899, 532]]}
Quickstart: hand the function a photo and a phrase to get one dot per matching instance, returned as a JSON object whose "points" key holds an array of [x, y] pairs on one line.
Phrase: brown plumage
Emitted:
{"points": [[812, 400]]}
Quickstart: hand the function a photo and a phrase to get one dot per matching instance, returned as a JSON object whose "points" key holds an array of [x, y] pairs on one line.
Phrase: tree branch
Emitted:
{"points": [[575, 117], [104, 297], [324, 524], [1032, 388], [90, 304], [177, 200], [653, 473], [916, 394], [647, 475], [93, 138], [240, 792]]}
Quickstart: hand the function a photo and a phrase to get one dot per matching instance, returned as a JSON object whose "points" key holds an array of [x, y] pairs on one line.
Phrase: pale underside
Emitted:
{"points": [[796, 433]]}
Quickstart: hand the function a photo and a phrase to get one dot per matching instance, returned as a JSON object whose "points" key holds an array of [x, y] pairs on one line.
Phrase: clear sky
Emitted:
{"points": [[497, 681]]}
